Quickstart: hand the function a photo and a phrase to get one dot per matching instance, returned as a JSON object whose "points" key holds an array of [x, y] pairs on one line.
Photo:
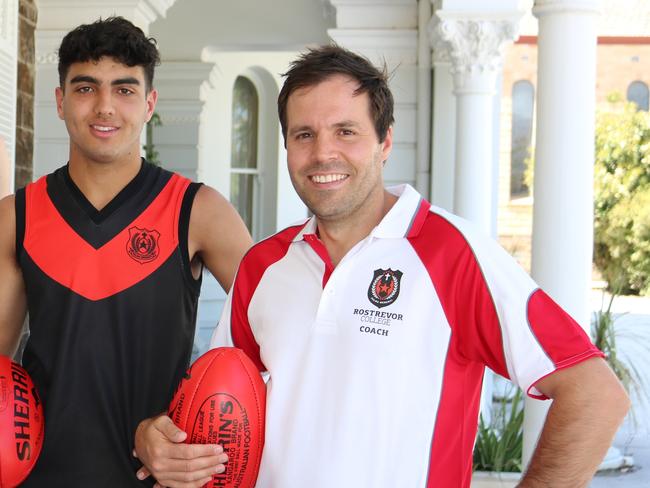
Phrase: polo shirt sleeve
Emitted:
{"points": [[222, 334], [234, 329], [513, 326]]}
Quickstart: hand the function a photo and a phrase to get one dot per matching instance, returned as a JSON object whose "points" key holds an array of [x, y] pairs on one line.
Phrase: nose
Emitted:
{"points": [[104, 106], [324, 148]]}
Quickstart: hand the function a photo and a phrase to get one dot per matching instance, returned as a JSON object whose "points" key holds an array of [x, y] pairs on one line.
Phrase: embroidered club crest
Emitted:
{"points": [[384, 287], [143, 244]]}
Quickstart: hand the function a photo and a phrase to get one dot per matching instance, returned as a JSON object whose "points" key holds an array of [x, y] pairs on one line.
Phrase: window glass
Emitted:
{"points": [[243, 155], [637, 92]]}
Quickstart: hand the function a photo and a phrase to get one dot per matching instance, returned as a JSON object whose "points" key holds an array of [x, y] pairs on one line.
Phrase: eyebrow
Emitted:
{"points": [[301, 128], [347, 123], [338, 125], [91, 79]]}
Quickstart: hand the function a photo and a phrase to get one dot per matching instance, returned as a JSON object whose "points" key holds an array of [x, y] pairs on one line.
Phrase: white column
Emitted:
{"points": [[423, 140], [443, 130], [564, 156], [386, 31], [180, 106], [476, 42], [8, 50], [55, 19]]}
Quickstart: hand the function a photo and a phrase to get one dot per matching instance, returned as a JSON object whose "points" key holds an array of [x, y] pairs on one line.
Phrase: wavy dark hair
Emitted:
{"points": [[318, 64], [114, 37]]}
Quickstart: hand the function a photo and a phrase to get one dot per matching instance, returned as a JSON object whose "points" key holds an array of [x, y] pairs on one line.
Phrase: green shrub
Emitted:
{"points": [[150, 153], [622, 197], [499, 445], [605, 334]]}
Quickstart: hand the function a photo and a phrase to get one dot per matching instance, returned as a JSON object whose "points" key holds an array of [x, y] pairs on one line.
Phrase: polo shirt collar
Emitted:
{"points": [[403, 219]]}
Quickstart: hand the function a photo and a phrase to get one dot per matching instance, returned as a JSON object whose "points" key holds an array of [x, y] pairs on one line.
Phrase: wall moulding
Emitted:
{"points": [[549, 7], [66, 14]]}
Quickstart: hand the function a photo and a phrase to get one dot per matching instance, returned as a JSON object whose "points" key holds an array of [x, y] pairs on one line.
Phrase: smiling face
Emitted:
{"points": [[104, 105], [334, 155]]}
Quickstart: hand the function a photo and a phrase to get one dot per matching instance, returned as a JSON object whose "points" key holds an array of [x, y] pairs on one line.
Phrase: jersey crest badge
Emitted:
{"points": [[143, 244], [384, 287]]}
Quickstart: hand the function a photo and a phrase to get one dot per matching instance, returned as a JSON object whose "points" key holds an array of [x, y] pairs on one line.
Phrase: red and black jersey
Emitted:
{"points": [[112, 308]]}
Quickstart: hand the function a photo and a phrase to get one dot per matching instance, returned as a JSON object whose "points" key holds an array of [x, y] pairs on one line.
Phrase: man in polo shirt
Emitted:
{"points": [[375, 318]]}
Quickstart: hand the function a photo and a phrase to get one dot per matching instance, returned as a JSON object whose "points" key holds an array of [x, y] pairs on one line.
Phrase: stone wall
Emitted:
{"points": [[25, 103]]}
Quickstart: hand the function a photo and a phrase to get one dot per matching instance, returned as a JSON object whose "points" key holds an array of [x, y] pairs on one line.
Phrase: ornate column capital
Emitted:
{"points": [[440, 47], [475, 49]]}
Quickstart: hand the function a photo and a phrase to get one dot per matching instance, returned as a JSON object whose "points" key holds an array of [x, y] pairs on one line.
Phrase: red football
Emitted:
{"points": [[21, 424], [222, 400]]}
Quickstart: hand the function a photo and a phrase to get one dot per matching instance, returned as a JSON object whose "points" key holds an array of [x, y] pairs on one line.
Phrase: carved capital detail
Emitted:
{"points": [[476, 46], [51, 57], [439, 46]]}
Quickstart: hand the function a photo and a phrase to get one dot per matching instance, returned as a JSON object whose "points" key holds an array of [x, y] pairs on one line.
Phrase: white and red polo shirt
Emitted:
{"points": [[375, 366]]}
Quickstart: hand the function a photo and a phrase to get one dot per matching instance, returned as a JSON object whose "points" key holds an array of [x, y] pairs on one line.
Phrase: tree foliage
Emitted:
{"points": [[622, 197]]}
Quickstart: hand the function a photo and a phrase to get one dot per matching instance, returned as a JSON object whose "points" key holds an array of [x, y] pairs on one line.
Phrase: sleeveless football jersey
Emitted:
{"points": [[112, 307]]}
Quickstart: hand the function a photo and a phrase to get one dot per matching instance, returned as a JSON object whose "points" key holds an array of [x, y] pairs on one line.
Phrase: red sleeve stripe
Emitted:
{"points": [[475, 336], [546, 319], [252, 268]]}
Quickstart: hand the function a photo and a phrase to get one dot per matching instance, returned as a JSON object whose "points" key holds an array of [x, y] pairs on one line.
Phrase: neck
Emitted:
{"points": [[100, 183], [339, 236]]}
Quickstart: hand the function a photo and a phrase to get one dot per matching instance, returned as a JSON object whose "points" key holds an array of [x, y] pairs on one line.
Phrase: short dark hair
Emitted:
{"points": [[318, 64], [113, 37]]}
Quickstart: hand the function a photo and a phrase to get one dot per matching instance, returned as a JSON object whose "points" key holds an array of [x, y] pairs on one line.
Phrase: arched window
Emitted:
{"points": [[523, 102], [244, 177], [637, 92]]}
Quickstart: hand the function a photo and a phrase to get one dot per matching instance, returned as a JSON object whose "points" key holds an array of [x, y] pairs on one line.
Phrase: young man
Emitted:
{"points": [[376, 318], [106, 254]]}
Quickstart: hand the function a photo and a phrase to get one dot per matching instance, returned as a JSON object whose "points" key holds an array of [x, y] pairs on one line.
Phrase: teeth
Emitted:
{"points": [[327, 178], [102, 128]]}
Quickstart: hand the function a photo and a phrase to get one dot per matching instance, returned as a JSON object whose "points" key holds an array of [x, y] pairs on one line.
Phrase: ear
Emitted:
{"points": [[152, 98], [387, 145], [58, 95]]}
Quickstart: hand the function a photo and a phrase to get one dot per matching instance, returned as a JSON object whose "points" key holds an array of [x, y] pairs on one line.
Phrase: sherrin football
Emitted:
{"points": [[222, 400], [21, 424]]}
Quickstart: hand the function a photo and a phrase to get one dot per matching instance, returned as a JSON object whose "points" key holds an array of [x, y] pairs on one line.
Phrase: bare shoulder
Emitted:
{"points": [[208, 202], [217, 234]]}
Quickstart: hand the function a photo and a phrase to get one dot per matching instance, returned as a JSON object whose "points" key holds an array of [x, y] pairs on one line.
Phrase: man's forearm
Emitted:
{"points": [[579, 429]]}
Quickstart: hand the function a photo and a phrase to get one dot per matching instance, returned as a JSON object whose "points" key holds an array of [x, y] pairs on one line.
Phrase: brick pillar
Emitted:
{"points": [[25, 101]]}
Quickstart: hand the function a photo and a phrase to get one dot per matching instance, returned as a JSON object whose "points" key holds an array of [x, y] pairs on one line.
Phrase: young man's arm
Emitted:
{"points": [[219, 238], [589, 404], [217, 235], [13, 301]]}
